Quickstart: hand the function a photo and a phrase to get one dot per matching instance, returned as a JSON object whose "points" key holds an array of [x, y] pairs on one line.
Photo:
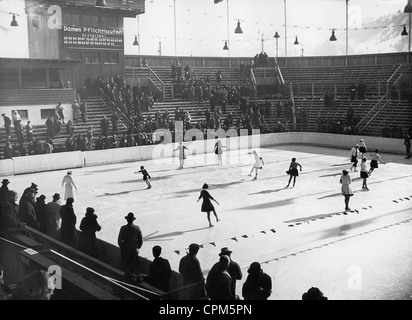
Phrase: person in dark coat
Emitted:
{"points": [[68, 226], [87, 236], [104, 125], [115, 123], [207, 205], [7, 125], [130, 240], [234, 269], [8, 151], [41, 213], [219, 281], [4, 190], [314, 294], [189, 268], [258, 285], [27, 213], [160, 271], [9, 213]]}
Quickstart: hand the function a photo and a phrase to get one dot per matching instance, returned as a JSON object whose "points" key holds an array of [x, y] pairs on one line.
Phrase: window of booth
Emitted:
{"points": [[109, 22], [46, 113], [92, 57], [9, 78], [24, 114], [111, 57], [71, 19], [73, 55], [33, 78], [90, 21]]}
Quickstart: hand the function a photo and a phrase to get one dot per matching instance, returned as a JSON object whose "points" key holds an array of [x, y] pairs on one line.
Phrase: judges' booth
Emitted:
{"points": [[88, 31]]}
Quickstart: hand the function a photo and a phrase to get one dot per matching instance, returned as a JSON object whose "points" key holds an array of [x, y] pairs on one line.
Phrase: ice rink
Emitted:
{"points": [[301, 235]]}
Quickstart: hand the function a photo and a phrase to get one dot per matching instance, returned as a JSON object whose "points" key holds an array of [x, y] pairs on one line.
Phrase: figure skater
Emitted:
{"points": [[207, 205], [346, 180], [364, 174], [182, 155], [68, 185], [374, 161], [259, 163], [354, 157], [219, 151], [146, 176], [293, 171], [363, 149]]}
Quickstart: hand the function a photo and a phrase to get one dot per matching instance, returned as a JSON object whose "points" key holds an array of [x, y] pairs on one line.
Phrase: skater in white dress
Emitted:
{"points": [[258, 164], [68, 185], [182, 155]]}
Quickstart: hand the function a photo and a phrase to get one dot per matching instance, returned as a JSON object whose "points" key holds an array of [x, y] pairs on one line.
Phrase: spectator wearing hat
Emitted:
{"points": [[234, 269], [130, 240], [8, 151], [258, 285], [40, 208], [159, 271], [4, 190], [189, 268], [27, 213], [33, 187], [68, 184], [53, 217], [207, 205], [68, 226], [219, 282], [314, 294], [354, 157], [87, 236], [9, 213], [346, 180], [7, 125]]}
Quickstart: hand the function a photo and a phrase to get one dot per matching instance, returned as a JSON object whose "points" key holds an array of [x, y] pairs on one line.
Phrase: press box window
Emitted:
{"points": [[92, 57], [111, 57], [24, 114], [109, 22], [90, 21]]}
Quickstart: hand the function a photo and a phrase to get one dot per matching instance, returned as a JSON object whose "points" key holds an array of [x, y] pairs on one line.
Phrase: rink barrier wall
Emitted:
{"points": [[78, 159]]}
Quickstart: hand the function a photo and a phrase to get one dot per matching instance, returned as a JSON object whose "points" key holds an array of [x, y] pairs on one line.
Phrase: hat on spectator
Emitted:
{"points": [[56, 196], [34, 186], [5, 181], [225, 251], [130, 217], [254, 268]]}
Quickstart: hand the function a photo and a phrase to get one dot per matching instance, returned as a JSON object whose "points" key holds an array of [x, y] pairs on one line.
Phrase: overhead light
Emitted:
{"points": [[238, 28], [225, 47], [277, 36], [101, 3], [333, 37], [14, 21], [404, 32], [135, 43], [408, 8], [296, 40]]}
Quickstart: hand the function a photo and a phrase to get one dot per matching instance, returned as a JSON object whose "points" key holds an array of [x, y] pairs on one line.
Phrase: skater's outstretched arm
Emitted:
{"points": [[299, 166], [261, 159]]}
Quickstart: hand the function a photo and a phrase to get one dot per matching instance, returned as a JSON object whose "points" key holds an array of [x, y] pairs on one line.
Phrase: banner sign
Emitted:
{"points": [[88, 37]]}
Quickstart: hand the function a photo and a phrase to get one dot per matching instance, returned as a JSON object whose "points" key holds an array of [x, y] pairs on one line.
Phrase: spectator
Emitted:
{"points": [[76, 111], [7, 125], [8, 151], [115, 121], [83, 110], [41, 214], [104, 125], [9, 213], [314, 294], [130, 240], [234, 269], [69, 128], [29, 132], [218, 282], [37, 285], [407, 143], [68, 225], [59, 112], [16, 122], [27, 213], [258, 285], [159, 271], [50, 127], [53, 217], [4, 190], [87, 236], [189, 268]]}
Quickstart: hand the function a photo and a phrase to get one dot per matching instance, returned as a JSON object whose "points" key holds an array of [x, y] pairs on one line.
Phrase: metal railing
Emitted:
{"points": [[158, 79]]}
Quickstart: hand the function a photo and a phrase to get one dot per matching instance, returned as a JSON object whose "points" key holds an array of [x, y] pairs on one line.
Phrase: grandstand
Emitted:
{"points": [[58, 71]]}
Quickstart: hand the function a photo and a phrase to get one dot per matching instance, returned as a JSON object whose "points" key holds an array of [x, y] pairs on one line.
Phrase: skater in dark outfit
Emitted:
{"points": [[293, 171], [146, 176], [182, 155], [364, 174], [354, 157], [345, 180], [374, 162], [207, 205]]}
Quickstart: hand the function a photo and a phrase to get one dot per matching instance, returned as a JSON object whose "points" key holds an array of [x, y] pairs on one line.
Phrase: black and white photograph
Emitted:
{"points": [[198, 155]]}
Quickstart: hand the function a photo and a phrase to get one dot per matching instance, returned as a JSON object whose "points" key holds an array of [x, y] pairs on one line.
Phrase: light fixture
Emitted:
{"points": [[404, 32], [101, 3], [277, 36], [296, 40], [408, 8], [14, 21], [333, 37], [35, 22], [225, 47], [135, 43], [238, 28]]}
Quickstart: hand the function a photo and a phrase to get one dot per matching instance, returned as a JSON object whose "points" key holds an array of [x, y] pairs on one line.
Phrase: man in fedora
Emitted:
{"points": [[53, 217], [4, 190], [130, 240], [258, 285], [233, 269]]}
